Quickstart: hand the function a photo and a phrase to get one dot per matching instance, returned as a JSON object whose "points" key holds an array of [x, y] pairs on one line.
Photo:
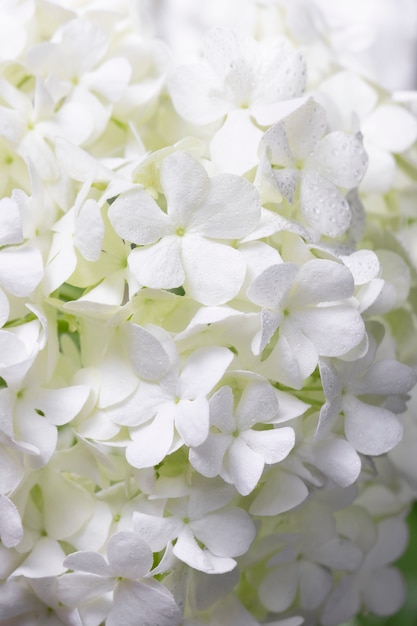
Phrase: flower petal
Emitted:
{"points": [[137, 218], [370, 429], [204, 262], [158, 266], [11, 529], [147, 603], [234, 148], [129, 556], [324, 207]]}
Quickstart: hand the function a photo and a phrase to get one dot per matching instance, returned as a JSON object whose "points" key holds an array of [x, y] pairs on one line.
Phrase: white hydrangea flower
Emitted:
{"points": [[303, 309], [234, 449], [241, 80], [299, 161], [180, 247], [127, 571]]}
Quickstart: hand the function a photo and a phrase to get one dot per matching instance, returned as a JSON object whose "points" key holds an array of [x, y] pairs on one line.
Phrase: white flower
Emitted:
{"points": [[234, 449], [303, 163], [242, 80], [305, 308], [180, 247], [127, 571]]}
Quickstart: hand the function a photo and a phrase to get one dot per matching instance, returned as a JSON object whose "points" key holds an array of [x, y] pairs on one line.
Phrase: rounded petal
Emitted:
{"points": [[278, 589], [324, 207], [21, 269], [197, 94], [234, 147], [231, 209], [305, 127], [185, 184], [152, 441], [321, 280], [10, 223], [146, 603], [245, 466], [129, 556], [390, 127], [271, 287], [226, 533], [192, 420], [385, 591], [338, 460], [203, 369], [334, 330], [258, 403], [46, 559], [207, 458], [89, 562], [158, 266], [137, 218], [148, 356], [281, 492], [11, 529], [273, 445], [89, 230], [204, 264], [340, 158], [370, 429]]}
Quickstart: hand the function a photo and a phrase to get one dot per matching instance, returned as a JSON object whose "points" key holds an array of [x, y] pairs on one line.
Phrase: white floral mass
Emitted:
{"points": [[208, 317]]}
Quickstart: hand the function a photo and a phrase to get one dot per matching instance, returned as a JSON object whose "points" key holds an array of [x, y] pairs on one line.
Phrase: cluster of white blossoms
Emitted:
{"points": [[208, 317]]}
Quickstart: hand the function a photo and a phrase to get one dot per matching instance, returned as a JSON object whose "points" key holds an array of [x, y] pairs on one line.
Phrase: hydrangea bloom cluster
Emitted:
{"points": [[208, 280]]}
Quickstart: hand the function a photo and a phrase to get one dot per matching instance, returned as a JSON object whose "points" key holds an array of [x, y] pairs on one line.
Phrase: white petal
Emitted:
{"points": [[271, 287], [148, 356], [156, 531], [343, 603], [275, 146], [129, 556], [363, 264], [379, 176], [110, 79], [278, 589], [203, 370], [315, 584], [234, 148], [65, 515], [324, 207], [89, 230], [273, 445], [152, 441], [204, 262], [88, 561], [11, 529], [4, 308], [158, 266], [76, 589], [258, 403], [334, 330], [59, 406], [192, 420], [304, 127], [39, 433], [385, 377], [225, 533], [197, 94], [245, 466], [338, 460], [320, 280], [370, 429], [145, 603], [229, 51], [340, 158], [390, 127], [187, 550], [385, 591], [231, 209], [282, 492], [136, 217], [221, 410], [207, 458], [10, 223], [46, 559], [185, 184], [21, 269]]}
